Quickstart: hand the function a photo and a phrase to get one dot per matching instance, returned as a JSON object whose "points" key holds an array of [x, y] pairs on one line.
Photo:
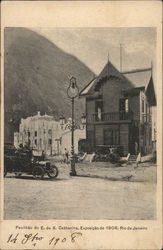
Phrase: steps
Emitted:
{"points": [[88, 158], [132, 158]]}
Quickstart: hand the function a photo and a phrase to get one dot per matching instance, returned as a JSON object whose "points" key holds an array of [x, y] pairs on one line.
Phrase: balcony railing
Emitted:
{"points": [[112, 116], [146, 118]]}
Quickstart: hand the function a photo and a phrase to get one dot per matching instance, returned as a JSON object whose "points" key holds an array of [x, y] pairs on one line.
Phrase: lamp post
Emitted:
{"points": [[72, 93], [73, 125]]}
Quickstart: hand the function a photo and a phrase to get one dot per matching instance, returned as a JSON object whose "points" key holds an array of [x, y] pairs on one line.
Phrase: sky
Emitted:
{"points": [[93, 46]]}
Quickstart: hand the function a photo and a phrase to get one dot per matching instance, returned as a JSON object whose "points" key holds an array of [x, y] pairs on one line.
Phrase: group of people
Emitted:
{"points": [[25, 149]]}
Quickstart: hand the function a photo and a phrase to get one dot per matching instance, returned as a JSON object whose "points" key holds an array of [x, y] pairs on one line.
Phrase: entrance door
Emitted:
{"points": [[90, 141], [134, 137]]}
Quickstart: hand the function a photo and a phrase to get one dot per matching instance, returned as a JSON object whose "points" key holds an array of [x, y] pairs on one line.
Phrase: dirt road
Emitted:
{"points": [[78, 198]]}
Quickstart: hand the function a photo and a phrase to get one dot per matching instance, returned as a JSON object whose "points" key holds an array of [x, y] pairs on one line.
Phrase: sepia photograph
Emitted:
{"points": [[80, 128], [81, 125]]}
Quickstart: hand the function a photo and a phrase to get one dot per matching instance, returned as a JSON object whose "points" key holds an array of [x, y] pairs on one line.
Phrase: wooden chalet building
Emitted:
{"points": [[118, 110]]}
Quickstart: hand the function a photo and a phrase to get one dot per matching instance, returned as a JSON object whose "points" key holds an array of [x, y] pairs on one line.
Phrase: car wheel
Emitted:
{"points": [[52, 172], [38, 173]]}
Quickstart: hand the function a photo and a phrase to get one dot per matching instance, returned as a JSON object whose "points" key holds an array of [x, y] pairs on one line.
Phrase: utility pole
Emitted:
{"points": [[120, 57], [151, 68], [108, 66]]}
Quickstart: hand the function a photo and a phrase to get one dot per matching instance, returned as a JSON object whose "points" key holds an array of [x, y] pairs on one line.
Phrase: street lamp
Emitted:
{"points": [[72, 93]]}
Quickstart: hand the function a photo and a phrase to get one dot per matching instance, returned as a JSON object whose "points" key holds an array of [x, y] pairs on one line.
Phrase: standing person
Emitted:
{"points": [[66, 155], [136, 147], [43, 155]]}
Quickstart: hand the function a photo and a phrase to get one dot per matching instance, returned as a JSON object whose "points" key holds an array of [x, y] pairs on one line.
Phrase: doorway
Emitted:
{"points": [[133, 139]]}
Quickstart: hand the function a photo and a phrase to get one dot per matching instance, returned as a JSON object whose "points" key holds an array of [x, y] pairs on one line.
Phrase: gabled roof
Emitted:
{"points": [[86, 89], [150, 93], [132, 91], [135, 81], [142, 78], [139, 77], [108, 72]]}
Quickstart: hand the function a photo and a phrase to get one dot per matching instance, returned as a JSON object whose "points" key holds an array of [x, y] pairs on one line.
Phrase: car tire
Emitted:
{"points": [[52, 172], [38, 173]]}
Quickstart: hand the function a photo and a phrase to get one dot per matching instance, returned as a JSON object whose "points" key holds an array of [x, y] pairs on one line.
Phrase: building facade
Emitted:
{"points": [[119, 110], [43, 133]]}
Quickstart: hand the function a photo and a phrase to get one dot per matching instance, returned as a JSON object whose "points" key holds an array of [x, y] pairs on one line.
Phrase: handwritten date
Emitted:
{"points": [[35, 238]]}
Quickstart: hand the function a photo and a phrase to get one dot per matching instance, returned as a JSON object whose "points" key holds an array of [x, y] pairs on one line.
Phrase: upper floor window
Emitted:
{"points": [[126, 105], [99, 110], [49, 131], [123, 105], [50, 141], [143, 106], [35, 133]]}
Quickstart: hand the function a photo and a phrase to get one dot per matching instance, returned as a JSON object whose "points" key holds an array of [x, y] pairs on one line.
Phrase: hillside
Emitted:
{"points": [[36, 78]]}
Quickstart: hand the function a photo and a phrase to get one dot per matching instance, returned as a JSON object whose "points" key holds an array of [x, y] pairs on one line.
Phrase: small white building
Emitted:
{"points": [[40, 132], [43, 133]]}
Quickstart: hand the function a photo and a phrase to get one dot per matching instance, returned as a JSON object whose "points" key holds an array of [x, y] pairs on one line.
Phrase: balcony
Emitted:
{"points": [[146, 118], [109, 117]]}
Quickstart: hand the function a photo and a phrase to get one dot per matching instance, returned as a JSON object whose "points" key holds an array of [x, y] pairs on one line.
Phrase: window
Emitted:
{"points": [[146, 108], [49, 131], [123, 105], [50, 141], [111, 137], [150, 136], [36, 142], [126, 105], [123, 108], [29, 134], [99, 110], [142, 106], [35, 133]]}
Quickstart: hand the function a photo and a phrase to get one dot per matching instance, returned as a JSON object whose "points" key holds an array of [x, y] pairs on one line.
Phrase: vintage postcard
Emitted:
{"points": [[81, 125]]}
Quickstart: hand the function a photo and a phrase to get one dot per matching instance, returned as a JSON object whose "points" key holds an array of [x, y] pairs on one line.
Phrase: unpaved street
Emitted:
{"points": [[78, 198]]}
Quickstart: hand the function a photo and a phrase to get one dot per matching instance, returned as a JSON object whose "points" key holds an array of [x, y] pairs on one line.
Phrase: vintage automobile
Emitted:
{"points": [[22, 161]]}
